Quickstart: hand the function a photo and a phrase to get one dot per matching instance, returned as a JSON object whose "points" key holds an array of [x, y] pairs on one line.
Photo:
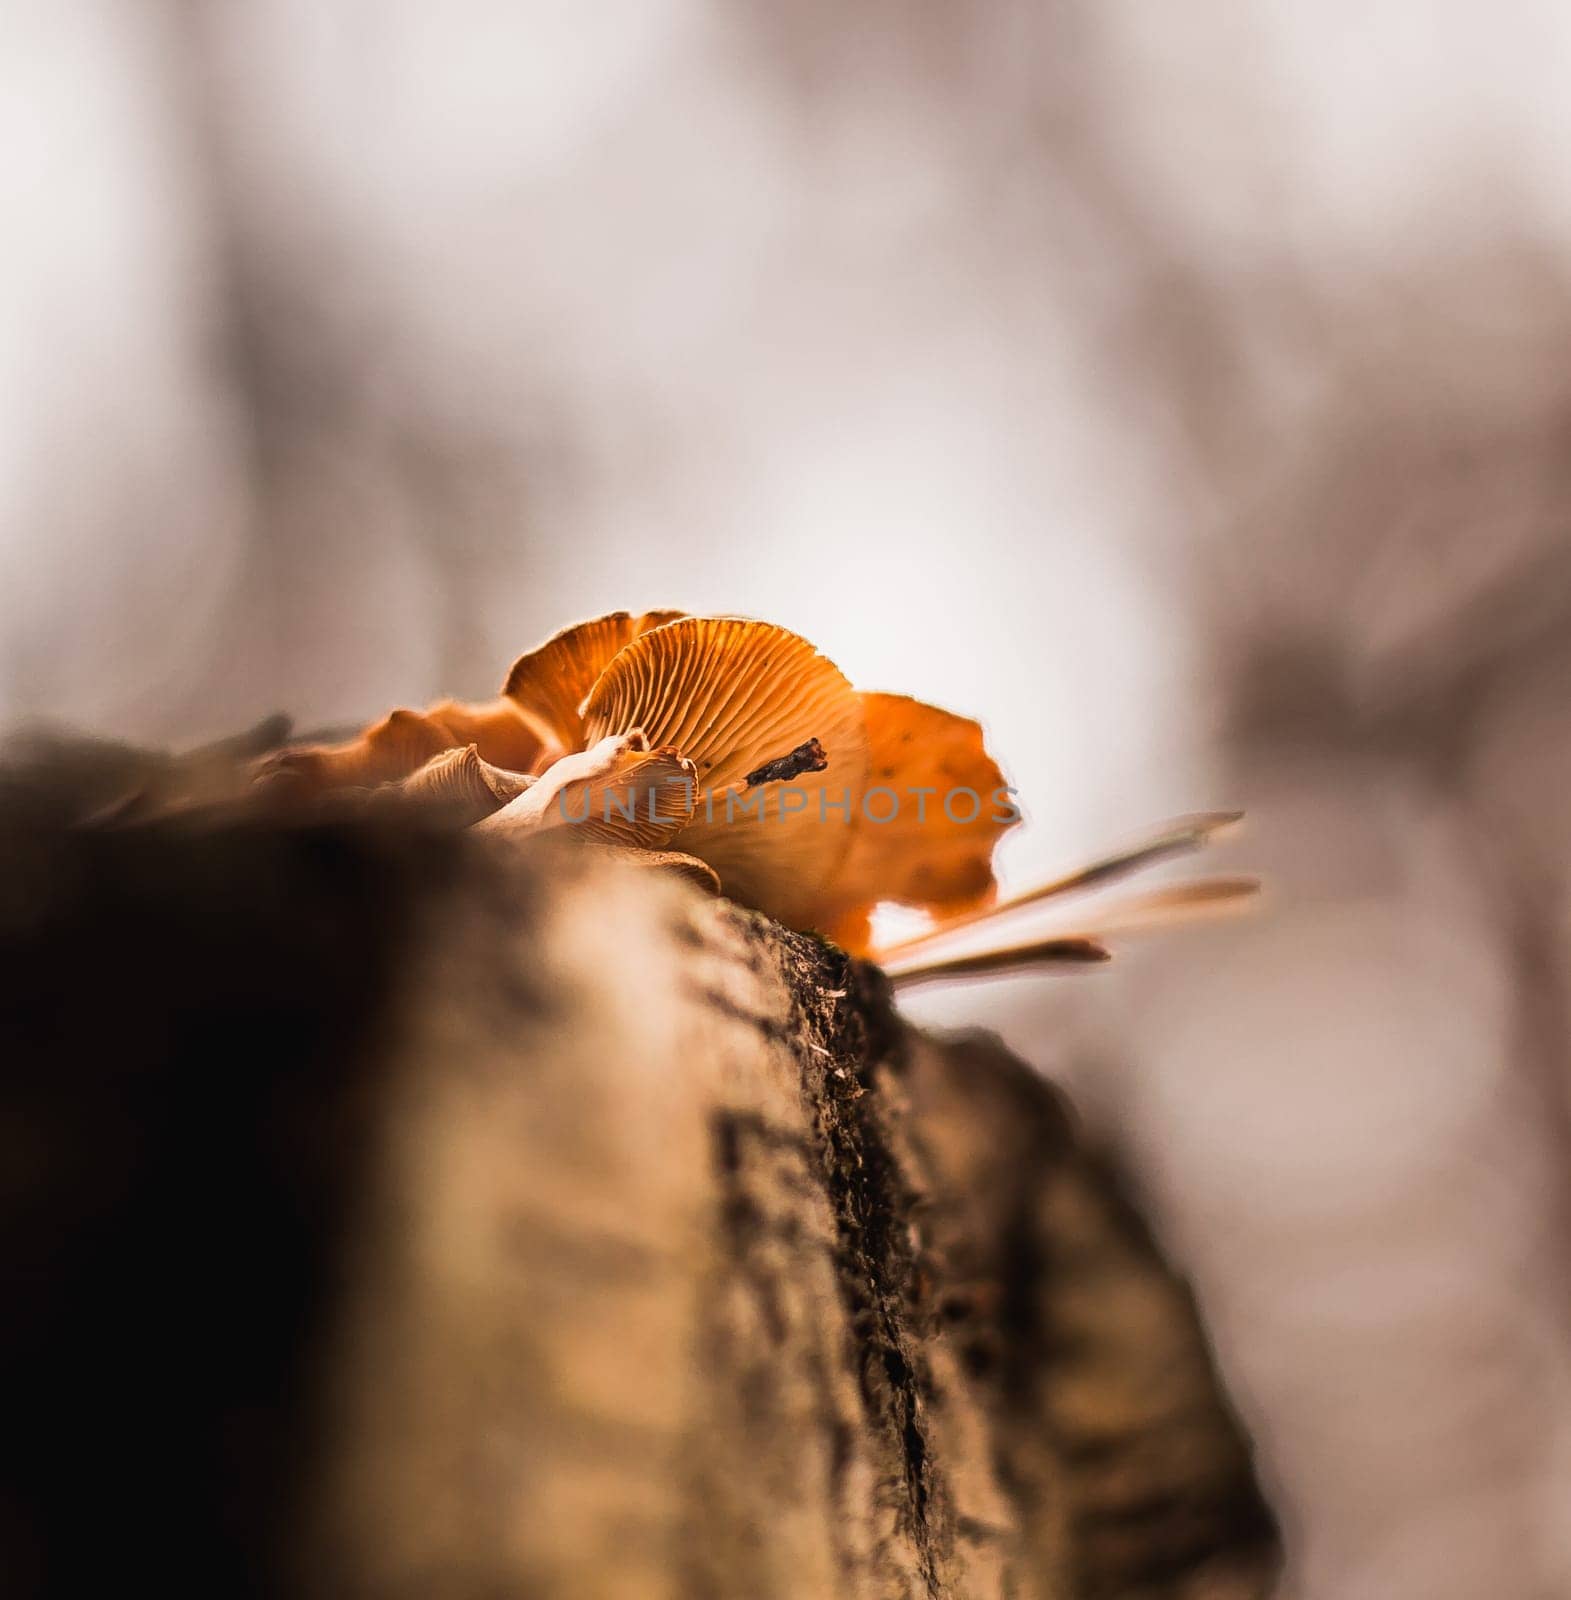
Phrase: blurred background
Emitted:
{"points": [[1184, 391]]}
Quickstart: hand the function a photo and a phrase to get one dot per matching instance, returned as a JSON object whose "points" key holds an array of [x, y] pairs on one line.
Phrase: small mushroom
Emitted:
{"points": [[734, 695], [617, 792], [462, 785], [404, 741], [550, 684]]}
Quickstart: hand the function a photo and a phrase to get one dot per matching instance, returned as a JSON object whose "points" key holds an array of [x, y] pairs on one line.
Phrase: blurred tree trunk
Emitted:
{"points": [[391, 1214]]}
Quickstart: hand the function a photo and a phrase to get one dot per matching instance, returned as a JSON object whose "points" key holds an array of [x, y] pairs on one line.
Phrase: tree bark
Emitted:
{"points": [[395, 1213]]}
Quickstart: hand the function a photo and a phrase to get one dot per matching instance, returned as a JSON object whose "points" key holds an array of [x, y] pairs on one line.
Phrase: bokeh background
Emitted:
{"points": [[1183, 390]]}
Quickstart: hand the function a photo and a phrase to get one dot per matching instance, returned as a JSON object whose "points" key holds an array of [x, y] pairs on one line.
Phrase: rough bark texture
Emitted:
{"points": [[390, 1213]]}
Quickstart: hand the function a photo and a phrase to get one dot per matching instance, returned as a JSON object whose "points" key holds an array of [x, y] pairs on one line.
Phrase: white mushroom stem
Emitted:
{"points": [[541, 806]]}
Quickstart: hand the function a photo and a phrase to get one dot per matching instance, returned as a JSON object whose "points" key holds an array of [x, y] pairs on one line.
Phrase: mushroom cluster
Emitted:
{"points": [[725, 748]]}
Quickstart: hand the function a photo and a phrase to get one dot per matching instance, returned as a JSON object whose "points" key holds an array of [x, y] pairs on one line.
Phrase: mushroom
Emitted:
{"points": [[732, 752]]}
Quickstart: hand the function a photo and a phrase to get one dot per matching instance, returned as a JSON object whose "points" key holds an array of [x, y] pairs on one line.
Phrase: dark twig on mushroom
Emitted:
{"points": [[807, 757]]}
